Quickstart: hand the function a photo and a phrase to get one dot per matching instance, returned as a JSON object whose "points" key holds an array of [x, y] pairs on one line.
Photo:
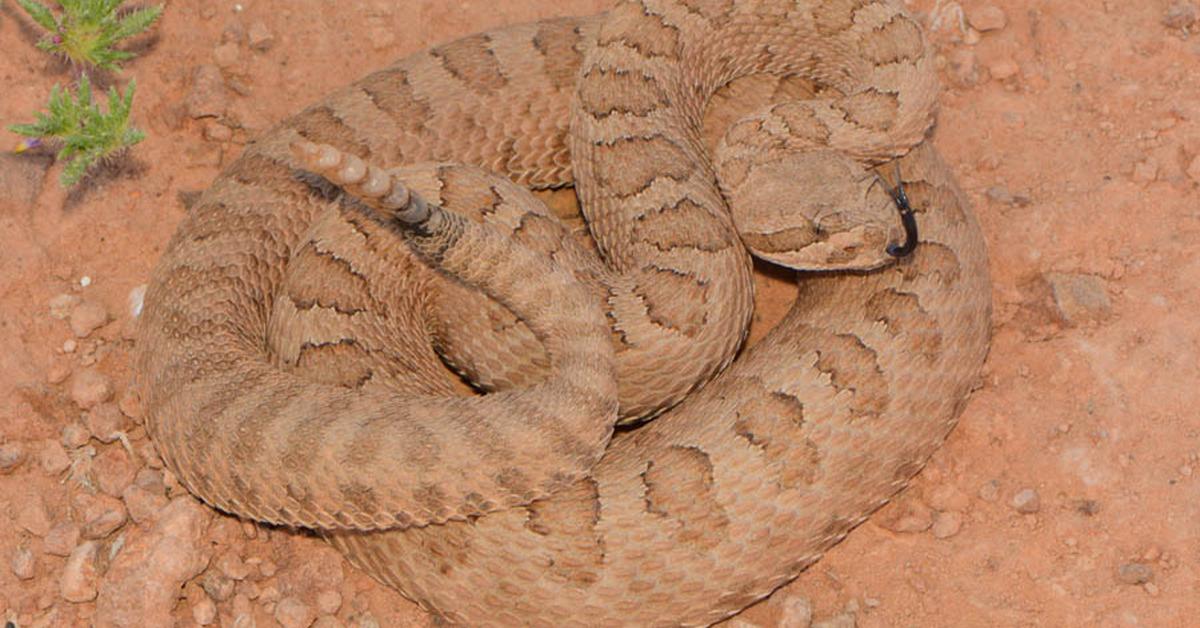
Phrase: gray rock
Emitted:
{"points": [[1079, 298]]}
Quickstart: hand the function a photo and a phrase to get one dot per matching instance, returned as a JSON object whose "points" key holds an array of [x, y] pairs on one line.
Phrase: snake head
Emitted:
{"points": [[817, 211]]}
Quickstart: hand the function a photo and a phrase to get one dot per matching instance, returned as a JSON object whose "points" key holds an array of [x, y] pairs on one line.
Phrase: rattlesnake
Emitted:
{"points": [[687, 519]]}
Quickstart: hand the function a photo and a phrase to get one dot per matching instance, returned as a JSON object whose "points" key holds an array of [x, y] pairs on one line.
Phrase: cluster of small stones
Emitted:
{"points": [[960, 29], [107, 536]]}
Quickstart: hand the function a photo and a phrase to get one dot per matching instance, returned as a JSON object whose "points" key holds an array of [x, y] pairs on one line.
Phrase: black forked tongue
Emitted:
{"points": [[907, 218]]}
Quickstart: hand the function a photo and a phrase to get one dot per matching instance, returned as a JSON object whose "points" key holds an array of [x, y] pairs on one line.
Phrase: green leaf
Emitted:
{"points": [[88, 134], [136, 22], [74, 170], [28, 130], [90, 30], [40, 14]]}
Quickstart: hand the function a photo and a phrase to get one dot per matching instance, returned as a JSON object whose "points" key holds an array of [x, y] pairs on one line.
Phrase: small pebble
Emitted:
{"points": [[946, 525], [101, 515], [90, 387], [987, 18], [232, 565], [1078, 297], [908, 517], [1000, 194], [204, 613], [33, 517], [87, 317], [69, 345], [114, 471], [1193, 169], [131, 405], [795, 612], [23, 563], [136, 298], [106, 422], [990, 491], [11, 457], [1135, 573], [294, 614], [85, 281], [207, 97], [79, 580], [948, 497], [74, 436], [1145, 171], [268, 595], [218, 586], [226, 55], [142, 504], [249, 589], [1003, 69], [1181, 15], [53, 458], [1026, 501], [61, 539], [260, 37], [329, 601], [58, 372], [267, 568], [150, 480]]}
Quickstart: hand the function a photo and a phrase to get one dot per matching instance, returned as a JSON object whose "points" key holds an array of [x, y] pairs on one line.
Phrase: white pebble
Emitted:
{"points": [[1026, 501], [137, 297], [85, 281]]}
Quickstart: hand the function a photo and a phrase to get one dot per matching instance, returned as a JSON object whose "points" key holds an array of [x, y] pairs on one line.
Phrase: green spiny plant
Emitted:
{"points": [[87, 134], [89, 29]]}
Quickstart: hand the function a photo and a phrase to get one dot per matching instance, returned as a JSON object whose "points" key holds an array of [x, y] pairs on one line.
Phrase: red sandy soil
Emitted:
{"points": [[1068, 496]]}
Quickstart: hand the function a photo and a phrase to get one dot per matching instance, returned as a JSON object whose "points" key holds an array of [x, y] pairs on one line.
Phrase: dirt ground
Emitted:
{"points": [[1069, 495]]}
